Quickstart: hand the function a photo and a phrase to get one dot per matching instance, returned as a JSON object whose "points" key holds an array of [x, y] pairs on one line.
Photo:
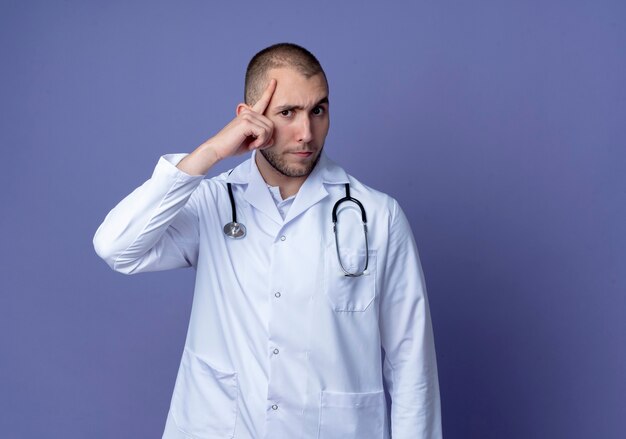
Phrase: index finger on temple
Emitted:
{"points": [[261, 105]]}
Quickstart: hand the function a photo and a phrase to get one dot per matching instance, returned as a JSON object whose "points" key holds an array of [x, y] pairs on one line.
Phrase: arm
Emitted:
{"points": [[156, 226], [410, 368]]}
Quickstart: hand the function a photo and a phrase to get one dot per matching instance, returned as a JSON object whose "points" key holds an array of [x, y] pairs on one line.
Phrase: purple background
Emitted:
{"points": [[500, 126]]}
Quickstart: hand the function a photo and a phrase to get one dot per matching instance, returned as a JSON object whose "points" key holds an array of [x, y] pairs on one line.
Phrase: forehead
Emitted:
{"points": [[294, 88]]}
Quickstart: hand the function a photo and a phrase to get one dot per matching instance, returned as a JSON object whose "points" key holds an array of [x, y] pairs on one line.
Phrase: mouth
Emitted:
{"points": [[303, 154]]}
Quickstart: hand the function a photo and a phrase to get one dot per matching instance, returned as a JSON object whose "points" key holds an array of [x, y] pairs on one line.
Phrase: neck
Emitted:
{"points": [[288, 185]]}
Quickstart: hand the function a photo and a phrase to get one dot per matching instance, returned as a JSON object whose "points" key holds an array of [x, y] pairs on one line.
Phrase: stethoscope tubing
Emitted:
{"points": [[349, 198], [235, 230]]}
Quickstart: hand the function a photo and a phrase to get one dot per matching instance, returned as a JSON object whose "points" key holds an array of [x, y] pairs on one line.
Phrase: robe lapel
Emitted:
{"points": [[312, 191], [258, 195], [314, 188]]}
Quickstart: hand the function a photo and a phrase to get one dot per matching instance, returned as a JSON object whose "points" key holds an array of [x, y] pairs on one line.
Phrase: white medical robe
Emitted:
{"points": [[281, 344]]}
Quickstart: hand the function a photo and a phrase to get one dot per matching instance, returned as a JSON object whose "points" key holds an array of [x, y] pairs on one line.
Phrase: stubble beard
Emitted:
{"points": [[278, 163]]}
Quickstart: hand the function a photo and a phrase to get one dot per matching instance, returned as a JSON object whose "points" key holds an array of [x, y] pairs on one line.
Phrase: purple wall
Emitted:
{"points": [[499, 125]]}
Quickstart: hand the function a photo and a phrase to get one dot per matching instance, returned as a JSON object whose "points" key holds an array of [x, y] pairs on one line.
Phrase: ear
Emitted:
{"points": [[241, 107]]}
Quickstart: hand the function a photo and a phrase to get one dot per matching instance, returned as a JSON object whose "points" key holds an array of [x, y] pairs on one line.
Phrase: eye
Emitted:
{"points": [[318, 111], [286, 113]]}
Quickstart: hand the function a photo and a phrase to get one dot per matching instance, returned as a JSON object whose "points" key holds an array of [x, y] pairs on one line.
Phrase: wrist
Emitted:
{"points": [[209, 152], [200, 160]]}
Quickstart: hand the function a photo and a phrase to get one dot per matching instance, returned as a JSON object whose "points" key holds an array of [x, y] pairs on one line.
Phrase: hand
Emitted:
{"points": [[249, 130]]}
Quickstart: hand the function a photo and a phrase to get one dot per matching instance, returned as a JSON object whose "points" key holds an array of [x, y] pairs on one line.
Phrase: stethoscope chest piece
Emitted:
{"points": [[235, 230]]}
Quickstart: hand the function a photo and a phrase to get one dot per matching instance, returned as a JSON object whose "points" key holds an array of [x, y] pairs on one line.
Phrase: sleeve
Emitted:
{"points": [[410, 367], [156, 226]]}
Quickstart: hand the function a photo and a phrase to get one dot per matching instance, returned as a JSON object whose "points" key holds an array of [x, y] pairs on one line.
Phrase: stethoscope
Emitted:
{"points": [[236, 230]]}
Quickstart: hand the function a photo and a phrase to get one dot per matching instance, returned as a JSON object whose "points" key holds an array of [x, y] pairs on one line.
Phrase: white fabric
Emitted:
{"points": [[282, 205], [281, 344]]}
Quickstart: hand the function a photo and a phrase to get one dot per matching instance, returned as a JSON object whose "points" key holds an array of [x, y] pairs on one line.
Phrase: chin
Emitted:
{"points": [[289, 165]]}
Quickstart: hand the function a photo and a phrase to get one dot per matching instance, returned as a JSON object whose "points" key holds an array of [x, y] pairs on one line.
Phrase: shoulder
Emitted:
{"points": [[209, 187], [382, 210], [217, 185]]}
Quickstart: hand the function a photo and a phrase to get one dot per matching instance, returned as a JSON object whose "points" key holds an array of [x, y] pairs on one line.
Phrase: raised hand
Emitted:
{"points": [[249, 130]]}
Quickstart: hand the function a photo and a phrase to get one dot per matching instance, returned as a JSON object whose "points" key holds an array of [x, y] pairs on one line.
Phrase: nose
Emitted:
{"points": [[304, 133]]}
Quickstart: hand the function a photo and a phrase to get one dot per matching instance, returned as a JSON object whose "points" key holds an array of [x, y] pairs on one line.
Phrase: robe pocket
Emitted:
{"points": [[204, 405], [347, 293], [352, 415]]}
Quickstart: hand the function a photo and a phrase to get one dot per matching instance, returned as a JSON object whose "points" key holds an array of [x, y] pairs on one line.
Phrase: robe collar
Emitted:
{"points": [[312, 191]]}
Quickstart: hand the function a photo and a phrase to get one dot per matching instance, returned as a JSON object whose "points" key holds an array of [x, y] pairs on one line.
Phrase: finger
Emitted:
{"points": [[261, 105], [267, 144], [262, 140], [254, 118], [262, 143], [258, 134]]}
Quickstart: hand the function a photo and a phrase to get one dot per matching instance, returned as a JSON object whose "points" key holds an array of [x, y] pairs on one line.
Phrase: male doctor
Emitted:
{"points": [[297, 331]]}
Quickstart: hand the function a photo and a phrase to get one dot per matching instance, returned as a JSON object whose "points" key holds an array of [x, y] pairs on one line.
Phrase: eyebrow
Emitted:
{"points": [[324, 100]]}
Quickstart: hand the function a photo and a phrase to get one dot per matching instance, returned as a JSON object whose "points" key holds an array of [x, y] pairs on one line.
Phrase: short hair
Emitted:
{"points": [[277, 56]]}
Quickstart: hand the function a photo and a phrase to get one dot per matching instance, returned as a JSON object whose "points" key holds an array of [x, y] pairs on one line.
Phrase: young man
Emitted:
{"points": [[297, 328]]}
